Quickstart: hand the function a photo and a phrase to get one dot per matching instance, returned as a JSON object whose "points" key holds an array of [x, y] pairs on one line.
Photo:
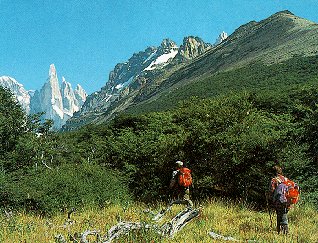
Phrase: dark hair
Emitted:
{"points": [[277, 169]]}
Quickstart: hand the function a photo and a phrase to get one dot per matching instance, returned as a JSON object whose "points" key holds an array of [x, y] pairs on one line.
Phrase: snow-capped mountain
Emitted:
{"points": [[80, 95], [58, 103], [167, 51], [21, 95], [124, 74]]}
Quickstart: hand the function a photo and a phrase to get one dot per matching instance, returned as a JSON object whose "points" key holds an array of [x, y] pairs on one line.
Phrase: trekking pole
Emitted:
{"points": [[268, 209], [270, 217]]}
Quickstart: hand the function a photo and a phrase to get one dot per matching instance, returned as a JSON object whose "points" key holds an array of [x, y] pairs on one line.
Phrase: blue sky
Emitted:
{"points": [[85, 39]]}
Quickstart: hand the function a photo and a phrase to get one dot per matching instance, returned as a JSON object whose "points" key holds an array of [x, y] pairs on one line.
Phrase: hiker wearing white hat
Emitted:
{"points": [[180, 182]]}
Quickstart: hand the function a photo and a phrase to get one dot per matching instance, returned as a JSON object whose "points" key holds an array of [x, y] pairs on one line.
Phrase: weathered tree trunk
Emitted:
{"points": [[167, 230], [179, 221], [87, 233], [123, 228]]}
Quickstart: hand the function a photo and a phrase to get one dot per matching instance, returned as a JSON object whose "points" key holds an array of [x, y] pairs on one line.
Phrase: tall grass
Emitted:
{"points": [[228, 219]]}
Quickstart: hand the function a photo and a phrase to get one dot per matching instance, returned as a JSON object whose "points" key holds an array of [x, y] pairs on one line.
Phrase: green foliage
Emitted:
{"points": [[230, 143], [233, 143], [12, 122], [64, 187], [35, 124]]}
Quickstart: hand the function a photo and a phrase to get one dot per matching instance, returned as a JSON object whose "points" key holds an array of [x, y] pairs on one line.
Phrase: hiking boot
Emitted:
{"points": [[285, 229], [282, 228]]}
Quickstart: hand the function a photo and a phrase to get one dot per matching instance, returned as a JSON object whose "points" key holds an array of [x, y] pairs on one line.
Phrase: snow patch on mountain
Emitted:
{"points": [[150, 57], [58, 111], [125, 84], [164, 58]]}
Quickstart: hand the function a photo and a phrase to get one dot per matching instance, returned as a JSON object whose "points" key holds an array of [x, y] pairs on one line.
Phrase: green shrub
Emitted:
{"points": [[65, 186]]}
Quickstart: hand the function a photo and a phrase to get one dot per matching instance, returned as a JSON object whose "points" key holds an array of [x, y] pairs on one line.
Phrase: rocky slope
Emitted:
{"points": [[273, 40], [141, 70], [278, 38]]}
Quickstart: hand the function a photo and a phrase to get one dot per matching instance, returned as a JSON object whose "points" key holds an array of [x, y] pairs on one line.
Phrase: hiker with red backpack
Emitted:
{"points": [[180, 184], [284, 194]]}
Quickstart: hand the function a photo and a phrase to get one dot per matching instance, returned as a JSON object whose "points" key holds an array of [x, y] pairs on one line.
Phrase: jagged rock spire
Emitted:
{"points": [[223, 36], [192, 47], [58, 103], [52, 71]]}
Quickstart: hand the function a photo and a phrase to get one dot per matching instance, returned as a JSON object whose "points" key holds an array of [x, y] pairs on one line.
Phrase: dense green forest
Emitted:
{"points": [[230, 141]]}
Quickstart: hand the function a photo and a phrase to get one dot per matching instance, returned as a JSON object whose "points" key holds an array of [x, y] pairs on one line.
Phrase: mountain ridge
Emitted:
{"points": [[153, 63], [21, 94], [272, 40], [230, 54]]}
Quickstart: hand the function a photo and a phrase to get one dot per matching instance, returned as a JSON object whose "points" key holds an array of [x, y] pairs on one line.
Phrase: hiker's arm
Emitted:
{"points": [[172, 183], [272, 186], [173, 180], [270, 190]]}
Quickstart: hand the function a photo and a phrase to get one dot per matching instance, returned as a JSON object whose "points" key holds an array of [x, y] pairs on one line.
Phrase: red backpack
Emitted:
{"points": [[287, 191], [185, 178], [293, 192]]}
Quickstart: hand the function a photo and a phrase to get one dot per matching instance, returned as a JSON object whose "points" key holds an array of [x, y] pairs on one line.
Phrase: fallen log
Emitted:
{"points": [[87, 233], [123, 228], [168, 229], [179, 221]]}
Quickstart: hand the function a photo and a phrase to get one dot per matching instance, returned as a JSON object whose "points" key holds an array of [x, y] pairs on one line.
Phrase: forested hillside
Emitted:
{"points": [[255, 77]]}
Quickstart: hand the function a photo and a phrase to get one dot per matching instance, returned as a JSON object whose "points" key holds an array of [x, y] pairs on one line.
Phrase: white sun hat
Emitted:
{"points": [[180, 163]]}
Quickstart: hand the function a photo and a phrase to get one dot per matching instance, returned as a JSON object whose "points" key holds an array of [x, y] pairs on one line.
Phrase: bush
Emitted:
{"points": [[65, 186]]}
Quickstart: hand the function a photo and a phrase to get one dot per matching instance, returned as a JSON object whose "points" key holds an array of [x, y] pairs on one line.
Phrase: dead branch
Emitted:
{"points": [[90, 232], [168, 229], [161, 213], [179, 221], [42, 160], [123, 228]]}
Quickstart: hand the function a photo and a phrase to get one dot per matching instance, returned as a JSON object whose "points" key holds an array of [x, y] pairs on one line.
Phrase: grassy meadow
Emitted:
{"points": [[228, 219]]}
